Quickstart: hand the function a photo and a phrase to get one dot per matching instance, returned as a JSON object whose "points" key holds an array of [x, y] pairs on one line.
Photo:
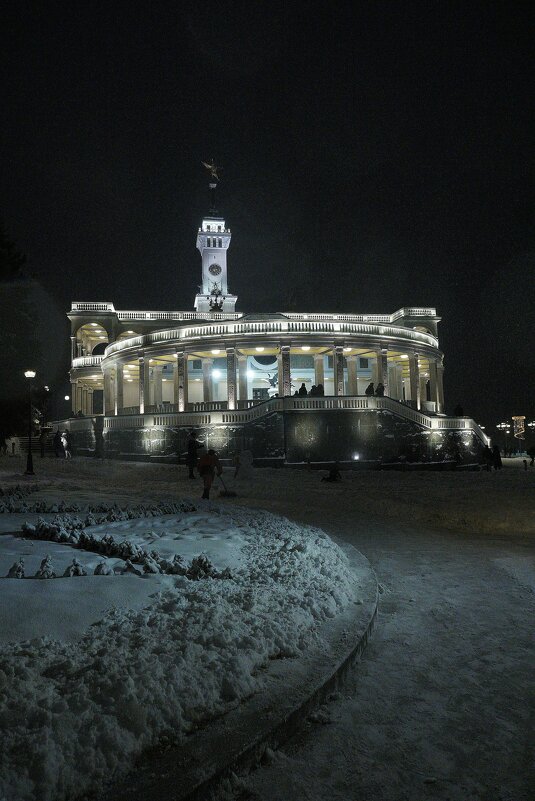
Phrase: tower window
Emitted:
{"points": [[220, 243], [364, 363]]}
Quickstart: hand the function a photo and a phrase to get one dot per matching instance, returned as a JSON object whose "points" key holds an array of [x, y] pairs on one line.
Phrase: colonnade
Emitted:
{"points": [[388, 372]]}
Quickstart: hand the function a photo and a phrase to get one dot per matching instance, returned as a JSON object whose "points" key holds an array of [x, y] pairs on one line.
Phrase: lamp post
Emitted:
{"points": [[30, 375], [506, 428]]}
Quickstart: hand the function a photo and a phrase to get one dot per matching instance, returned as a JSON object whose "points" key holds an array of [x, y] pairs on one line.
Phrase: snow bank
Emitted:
{"points": [[72, 716]]}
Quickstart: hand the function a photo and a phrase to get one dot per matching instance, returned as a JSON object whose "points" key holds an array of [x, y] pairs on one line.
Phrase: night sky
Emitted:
{"points": [[374, 155]]}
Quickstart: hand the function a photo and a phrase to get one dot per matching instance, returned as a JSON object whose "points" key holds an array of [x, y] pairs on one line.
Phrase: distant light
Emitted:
{"points": [[259, 349], [164, 379], [250, 374], [67, 397], [102, 337], [130, 332], [305, 347], [197, 379], [47, 389], [95, 325], [216, 351], [346, 350], [29, 373], [356, 457], [404, 356], [131, 379]]}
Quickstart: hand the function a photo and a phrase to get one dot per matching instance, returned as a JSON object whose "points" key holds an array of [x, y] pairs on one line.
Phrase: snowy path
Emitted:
{"points": [[443, 704]]}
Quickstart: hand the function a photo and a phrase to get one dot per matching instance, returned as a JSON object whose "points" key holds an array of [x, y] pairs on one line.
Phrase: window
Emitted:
{"points": [[196, 364], [364, 363], [220, 243]]}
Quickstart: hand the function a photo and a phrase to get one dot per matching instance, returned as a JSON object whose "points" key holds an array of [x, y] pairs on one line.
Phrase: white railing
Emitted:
{"points": [[87, 361], [275, 327], [103, 306], [177, 315], [205, 414]]}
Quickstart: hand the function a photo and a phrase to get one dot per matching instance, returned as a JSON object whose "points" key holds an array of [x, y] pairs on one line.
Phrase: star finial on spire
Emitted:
{"points": [[212, 169]]}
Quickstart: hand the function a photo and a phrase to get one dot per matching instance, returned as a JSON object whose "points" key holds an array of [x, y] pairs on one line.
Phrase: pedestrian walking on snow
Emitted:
{"points": [[496, 458], [58, 445], [66, 442], [208, 466], [193, 446]]}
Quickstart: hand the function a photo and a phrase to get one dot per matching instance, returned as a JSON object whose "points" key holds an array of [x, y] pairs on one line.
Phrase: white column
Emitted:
{"points": [[73, 348], [144, 384], [414, 380], [440, 388], [242, 376], [207, 379], [181, 381], [383, 361], [338, 365], [319, 369], [119, 389], [232, 394], [352, 375], [285, 381], [90, 402], [157, 375], [108, 394]]}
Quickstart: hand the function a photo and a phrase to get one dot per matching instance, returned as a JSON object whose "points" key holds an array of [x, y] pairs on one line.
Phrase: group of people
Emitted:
{"points": [[62, 444], [315, 391], [208, 465], [493, 459], [378, 391]]}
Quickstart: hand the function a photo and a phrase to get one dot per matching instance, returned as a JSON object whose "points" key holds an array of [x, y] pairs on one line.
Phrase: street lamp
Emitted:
{"points": [[506, 428], [30, 375]]}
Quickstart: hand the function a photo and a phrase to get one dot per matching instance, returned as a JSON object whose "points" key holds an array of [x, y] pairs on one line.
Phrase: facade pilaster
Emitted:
{"points": [[207, 380], [181, 381], [119, 389], [232, 393], [90, 393], [73, 397], [242, 376], [338, 365], [157, 375], [352, 388], [73, 348], [319, 369], [285, 381]]}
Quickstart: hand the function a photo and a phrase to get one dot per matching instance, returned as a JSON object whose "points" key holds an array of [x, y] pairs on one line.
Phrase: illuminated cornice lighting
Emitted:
{"points": [[129, 380], [216, 351], [346, 350], [95, 325], [29, 373], [259, 349], [197, 379], [404, 356], [305, 347], [102, 337]]}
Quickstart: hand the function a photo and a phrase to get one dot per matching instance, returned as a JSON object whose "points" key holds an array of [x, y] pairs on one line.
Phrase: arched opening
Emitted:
{"points": [[99, 349], [88, 337], [423, 329]]}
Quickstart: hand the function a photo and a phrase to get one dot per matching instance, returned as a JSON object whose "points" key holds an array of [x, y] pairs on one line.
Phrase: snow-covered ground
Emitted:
{"points": [[441, 706], [96, 668]]}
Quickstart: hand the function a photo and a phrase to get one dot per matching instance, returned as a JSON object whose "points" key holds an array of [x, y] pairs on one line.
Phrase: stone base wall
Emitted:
{"points": [[287, 437]]}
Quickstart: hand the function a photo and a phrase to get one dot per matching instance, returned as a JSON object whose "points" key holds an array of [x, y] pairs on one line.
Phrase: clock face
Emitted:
{"points": [[214, 269]]}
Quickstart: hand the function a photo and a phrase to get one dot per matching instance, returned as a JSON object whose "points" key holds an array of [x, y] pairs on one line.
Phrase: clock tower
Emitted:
{"points": [[213, 240]]}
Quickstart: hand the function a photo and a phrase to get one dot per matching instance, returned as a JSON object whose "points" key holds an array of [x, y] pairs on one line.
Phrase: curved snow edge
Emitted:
{"points": [[239, 739]]}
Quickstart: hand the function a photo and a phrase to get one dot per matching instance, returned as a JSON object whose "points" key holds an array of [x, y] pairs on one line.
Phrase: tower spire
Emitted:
{"points": [[213, 172]]}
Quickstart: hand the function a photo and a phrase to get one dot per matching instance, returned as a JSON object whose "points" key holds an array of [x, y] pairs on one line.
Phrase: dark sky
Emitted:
{"points": [[375, 155]]}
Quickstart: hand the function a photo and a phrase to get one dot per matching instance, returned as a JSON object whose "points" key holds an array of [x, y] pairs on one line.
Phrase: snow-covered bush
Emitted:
{"points": [[103, 569], [17, 569], [46, 570], [75, 569]]}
